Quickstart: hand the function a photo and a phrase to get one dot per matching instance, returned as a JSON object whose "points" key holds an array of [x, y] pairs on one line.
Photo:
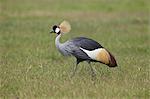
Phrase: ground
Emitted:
{"points": [[31, 66]]}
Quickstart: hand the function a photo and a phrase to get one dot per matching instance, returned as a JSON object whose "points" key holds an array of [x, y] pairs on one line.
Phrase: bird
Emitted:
{"points": [[82, 48]]}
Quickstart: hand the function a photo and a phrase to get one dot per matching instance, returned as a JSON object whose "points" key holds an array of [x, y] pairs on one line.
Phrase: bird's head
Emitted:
{"points": [[56, 29], [64, 27]]}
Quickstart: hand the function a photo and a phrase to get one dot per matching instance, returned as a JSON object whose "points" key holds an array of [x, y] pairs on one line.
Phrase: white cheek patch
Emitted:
{"points": [[57, 30]]}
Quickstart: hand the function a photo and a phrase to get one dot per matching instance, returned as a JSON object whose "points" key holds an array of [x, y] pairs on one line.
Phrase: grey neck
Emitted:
{"points": [[57, 41]]}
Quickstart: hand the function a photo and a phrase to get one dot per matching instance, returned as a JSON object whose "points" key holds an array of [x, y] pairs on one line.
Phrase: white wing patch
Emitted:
{"points": [[92, 54]]}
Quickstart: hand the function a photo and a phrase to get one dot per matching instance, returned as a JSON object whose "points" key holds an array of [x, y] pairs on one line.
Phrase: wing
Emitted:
{"points": [[86, 43]]}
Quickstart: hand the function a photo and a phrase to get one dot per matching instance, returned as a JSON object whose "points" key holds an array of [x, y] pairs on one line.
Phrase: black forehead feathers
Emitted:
{"points": [[54, 27]]}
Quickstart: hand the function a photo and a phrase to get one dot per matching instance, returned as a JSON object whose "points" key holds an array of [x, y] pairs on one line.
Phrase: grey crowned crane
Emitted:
{"points": [[83, 49]]}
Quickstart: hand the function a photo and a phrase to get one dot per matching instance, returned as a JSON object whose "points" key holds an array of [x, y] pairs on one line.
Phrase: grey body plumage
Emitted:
{"points": [[72, 47]]}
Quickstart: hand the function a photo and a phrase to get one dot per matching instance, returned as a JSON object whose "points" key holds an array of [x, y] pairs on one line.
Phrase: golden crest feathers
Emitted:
{"points": [[65, 27]]}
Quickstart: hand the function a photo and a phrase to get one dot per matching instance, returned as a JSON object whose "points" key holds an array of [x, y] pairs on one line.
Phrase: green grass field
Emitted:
{"points": [[31, 66]]}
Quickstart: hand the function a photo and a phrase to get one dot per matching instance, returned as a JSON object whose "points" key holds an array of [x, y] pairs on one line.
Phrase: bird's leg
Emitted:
{"points": [[75, 68], [92, 71]]}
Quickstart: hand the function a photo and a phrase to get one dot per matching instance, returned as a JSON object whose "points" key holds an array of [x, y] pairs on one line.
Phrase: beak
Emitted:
{"points": [[51, 32]]}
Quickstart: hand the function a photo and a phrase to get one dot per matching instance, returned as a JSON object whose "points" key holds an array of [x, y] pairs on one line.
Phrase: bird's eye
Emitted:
{"points": [[54, 27]]}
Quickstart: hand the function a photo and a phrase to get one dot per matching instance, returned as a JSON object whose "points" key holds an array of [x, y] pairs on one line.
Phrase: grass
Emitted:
{"points": [[31, 66]]}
